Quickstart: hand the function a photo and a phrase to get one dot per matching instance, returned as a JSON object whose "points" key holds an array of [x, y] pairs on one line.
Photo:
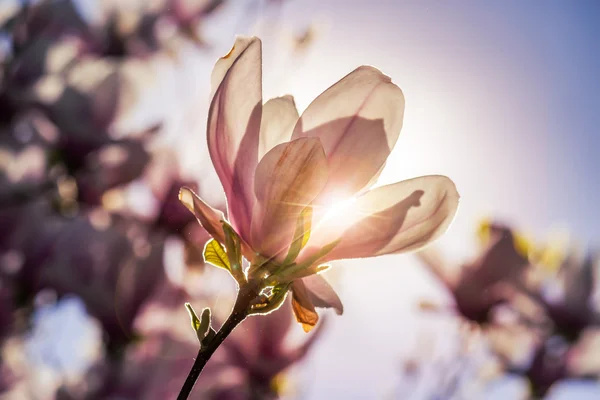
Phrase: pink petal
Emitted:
{"points": [[322, 294], [234, 126], [287, 179], [390, 219], [278, 120], [209, 218], [358, 120]]}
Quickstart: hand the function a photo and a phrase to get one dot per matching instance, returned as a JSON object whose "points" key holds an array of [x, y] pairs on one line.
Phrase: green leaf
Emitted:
{"points": [[215, 254], [204, 324], [301, 235], [193, 317], [200, 325]]}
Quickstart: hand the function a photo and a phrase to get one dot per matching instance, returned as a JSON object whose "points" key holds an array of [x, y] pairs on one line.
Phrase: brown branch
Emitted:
{"points": [[246, 295]]}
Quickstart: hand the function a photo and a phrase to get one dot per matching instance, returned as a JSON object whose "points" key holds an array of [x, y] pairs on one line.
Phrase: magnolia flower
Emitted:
{"points": [[282, 173], [482, 284]]}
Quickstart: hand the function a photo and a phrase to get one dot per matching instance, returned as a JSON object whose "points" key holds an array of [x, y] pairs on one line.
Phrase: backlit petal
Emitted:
{"points": [[358, 120], [278, 120], [322, 294], [287, 179], [390, 219], [302, 306], [234, 127], [208, 217]]}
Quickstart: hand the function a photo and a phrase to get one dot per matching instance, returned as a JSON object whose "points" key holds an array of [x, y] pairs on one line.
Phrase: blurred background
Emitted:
{"points": [[103, 109]]}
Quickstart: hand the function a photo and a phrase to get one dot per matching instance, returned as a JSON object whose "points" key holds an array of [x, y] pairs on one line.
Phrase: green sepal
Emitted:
{"points": [[273, 302], [293, 271], [301, 235], [260, 267], [233, 244], [303, 273]]}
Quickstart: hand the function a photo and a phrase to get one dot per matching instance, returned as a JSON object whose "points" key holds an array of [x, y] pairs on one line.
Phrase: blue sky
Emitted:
{"points": [[501, 96], [504, 98]]}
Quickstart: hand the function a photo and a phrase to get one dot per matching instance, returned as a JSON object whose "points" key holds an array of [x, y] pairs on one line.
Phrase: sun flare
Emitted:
{"points": [[335, 208]]}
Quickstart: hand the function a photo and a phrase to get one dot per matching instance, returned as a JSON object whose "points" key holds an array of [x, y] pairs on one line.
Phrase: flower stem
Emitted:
{"points": [[246, 295]]}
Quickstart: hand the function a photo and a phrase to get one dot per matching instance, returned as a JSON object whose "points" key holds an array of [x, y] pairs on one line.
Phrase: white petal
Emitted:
{"points": [[287, 179], [390, 219], [322, 294], [234, 127], [358, 120], [278, 120]]}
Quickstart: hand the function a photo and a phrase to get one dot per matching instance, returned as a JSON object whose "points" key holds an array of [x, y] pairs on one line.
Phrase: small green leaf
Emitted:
{"points": [[200, 325], [215, 254], [301, 235], [193, 317], [204, 324]]}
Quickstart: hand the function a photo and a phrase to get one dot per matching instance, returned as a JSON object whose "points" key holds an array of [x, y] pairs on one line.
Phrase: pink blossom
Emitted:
{"points": [[281, 171]]}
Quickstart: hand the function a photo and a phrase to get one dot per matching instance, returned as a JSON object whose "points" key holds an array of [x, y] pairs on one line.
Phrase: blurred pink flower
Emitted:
{"points": [[250, 364], [282, 173], [258, 352], [482, 284]]}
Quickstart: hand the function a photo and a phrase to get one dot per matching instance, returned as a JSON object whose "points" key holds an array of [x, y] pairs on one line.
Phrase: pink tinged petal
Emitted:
{"points": [[287, 179], [234, 127], [358, 120], [209, 218], [279, 116], [390, 219], [322, 294]]}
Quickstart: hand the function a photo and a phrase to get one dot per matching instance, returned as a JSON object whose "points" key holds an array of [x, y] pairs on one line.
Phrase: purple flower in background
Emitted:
{"points": [[258, 354], [540, 326], [482, 284]]}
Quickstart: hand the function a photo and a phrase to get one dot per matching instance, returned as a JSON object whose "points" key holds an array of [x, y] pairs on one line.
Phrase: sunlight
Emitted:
{"points": [[336, 208]]}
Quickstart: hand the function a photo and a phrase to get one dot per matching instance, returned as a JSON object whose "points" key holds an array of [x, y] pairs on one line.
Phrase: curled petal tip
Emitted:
{"points": [[229, 53], [240, 40], [208, 217], [187, 198]]}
